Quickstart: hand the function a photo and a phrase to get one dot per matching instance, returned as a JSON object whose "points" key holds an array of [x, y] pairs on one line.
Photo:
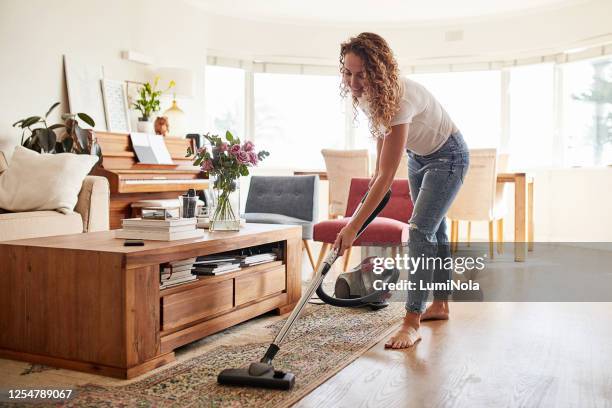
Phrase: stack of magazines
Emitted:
{"points": [[176, 273], [159, 230], [213, 265]]}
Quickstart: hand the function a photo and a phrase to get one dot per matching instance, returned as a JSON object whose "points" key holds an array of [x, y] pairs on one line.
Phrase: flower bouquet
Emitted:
{"points": [[225, 161]]}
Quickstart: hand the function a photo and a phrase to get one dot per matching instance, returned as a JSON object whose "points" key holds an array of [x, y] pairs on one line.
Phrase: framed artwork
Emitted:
{"points": [[116, 106], [132, 91], [84, 90]]}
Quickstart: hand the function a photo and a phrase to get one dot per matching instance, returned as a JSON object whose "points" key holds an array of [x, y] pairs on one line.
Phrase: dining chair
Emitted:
{"points": [[477, 199], [501, 192], [389, 228], [289, 200], [342, 166]]}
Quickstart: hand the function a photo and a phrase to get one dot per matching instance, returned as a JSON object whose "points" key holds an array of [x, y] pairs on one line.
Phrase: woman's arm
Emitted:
{"points": [[391, 151]]}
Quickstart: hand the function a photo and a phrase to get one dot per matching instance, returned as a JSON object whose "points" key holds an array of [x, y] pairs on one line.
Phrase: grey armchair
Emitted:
{"points": [[291, 200]]}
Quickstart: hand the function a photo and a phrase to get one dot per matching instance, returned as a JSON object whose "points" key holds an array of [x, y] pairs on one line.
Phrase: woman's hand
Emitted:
{"points": [[345, 239]]}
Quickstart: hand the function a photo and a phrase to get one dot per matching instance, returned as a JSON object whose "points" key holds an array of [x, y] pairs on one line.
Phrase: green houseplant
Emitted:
{"points": [[38, 135], [148, 103]]}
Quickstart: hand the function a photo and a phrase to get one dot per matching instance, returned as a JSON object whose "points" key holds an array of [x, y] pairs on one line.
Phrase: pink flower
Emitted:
{"points": [[234, 149], [243, 157], [223, 147], [253, 158], [202, 150], [248, 146], [207, 165]]}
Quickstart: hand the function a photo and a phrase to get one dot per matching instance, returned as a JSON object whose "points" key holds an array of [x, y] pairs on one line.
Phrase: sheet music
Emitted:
{"points": [[160, 150], [150, 149]]}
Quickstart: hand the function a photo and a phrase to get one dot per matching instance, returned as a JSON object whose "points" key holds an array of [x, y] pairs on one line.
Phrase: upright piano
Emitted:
{"points": [[131, 181]]}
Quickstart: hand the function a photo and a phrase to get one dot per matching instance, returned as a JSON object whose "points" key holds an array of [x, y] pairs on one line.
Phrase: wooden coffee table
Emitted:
{"points": [[88, 303]]}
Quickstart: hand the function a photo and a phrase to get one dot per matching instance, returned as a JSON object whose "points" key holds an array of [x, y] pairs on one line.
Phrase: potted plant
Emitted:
{"points": [[37, 135], [148, 104], [225, 162]]}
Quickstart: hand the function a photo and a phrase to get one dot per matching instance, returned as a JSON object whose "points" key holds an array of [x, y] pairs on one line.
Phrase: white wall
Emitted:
{"points": [[528, 34], [34, 34]]}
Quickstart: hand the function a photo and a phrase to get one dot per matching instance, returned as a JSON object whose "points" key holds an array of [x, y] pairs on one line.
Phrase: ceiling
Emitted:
{"points": [[374, 11]]}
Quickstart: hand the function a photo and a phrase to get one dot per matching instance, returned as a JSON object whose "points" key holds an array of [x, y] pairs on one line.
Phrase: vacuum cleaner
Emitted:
{"points": [[262, 373]]}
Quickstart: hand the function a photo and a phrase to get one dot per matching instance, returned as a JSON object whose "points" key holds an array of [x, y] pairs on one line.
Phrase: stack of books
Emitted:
{"points": [[159, 230], [216, 265], [176, 273]]}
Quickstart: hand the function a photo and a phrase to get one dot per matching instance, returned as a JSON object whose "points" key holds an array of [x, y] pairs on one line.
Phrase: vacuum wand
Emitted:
{"points": [[316, 282], [262, 373]]}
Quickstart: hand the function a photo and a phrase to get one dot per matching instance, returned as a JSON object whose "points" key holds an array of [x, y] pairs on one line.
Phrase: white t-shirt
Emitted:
{"points": [[430, 125]]}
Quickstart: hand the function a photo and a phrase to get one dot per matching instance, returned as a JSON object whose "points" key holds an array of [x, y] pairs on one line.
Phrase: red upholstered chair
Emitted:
{"points": [[390, 228]]}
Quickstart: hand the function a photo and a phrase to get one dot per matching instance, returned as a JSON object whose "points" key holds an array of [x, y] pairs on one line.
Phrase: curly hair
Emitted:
{"points": [[383, 87]]}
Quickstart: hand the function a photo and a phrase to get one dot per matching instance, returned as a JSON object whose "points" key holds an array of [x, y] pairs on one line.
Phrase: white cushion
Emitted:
{"points": [[35, 181]]}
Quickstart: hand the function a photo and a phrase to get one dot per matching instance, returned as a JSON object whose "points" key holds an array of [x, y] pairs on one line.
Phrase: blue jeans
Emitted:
{"points": [[434, 181]]}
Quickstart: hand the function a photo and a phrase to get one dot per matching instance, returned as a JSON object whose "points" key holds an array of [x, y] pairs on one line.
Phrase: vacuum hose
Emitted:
{"points": [[333, 255]]}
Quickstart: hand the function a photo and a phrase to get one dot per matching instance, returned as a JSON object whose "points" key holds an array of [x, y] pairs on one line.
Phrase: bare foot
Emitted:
{"points": [[407, 335], [438, 310]]}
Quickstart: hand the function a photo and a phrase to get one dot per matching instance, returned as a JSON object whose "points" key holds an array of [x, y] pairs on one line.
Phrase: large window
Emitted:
{"points": [[296, 116], [531, 116], [472, 99], [555, 115], [587, 112], [362, 138], [225, 101]]}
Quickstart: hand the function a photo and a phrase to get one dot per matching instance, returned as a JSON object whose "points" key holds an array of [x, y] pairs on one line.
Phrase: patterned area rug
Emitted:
{"points": [[324, 340]]}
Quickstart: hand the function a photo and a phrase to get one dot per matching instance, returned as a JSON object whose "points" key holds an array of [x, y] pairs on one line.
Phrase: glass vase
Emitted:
{"points": [[224, 214]]}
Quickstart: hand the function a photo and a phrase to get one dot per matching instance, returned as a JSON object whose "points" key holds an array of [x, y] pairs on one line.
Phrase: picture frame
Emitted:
{"points": [[132, 88], [84, 89], [116, 107]]}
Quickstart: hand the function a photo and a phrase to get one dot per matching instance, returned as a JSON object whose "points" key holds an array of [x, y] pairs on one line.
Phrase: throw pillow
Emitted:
{"points": [[34, 181]]}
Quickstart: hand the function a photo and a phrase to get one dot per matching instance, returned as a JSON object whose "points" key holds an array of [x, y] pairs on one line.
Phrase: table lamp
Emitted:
{"points": [[183, 89]]}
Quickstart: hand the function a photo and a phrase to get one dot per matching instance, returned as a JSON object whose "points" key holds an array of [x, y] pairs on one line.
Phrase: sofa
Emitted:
{"points": [[90, 214]]}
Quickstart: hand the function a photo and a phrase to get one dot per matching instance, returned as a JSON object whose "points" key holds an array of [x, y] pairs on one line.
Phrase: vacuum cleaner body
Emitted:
{"points": [[362, 282]]}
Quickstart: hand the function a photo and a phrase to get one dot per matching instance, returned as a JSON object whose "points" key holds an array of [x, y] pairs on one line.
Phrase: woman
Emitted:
{"points": [[403, 115]]}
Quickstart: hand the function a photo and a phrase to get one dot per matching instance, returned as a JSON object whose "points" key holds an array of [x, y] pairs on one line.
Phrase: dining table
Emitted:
{"points": [[523, 207]]}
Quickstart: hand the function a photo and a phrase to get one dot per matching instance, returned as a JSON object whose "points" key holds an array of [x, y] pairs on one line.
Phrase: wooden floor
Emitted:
{"points": [[487, 355]]}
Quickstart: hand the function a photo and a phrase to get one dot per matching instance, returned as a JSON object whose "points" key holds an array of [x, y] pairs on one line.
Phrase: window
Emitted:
{"points": [[225, 101], [531, 116], [587, 112], [556, 114], [472, 99], [296, 116], [362, 138]]}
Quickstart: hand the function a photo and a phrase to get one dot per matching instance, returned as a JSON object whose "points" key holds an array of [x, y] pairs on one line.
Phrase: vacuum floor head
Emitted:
{"points": [[257, 375]]}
